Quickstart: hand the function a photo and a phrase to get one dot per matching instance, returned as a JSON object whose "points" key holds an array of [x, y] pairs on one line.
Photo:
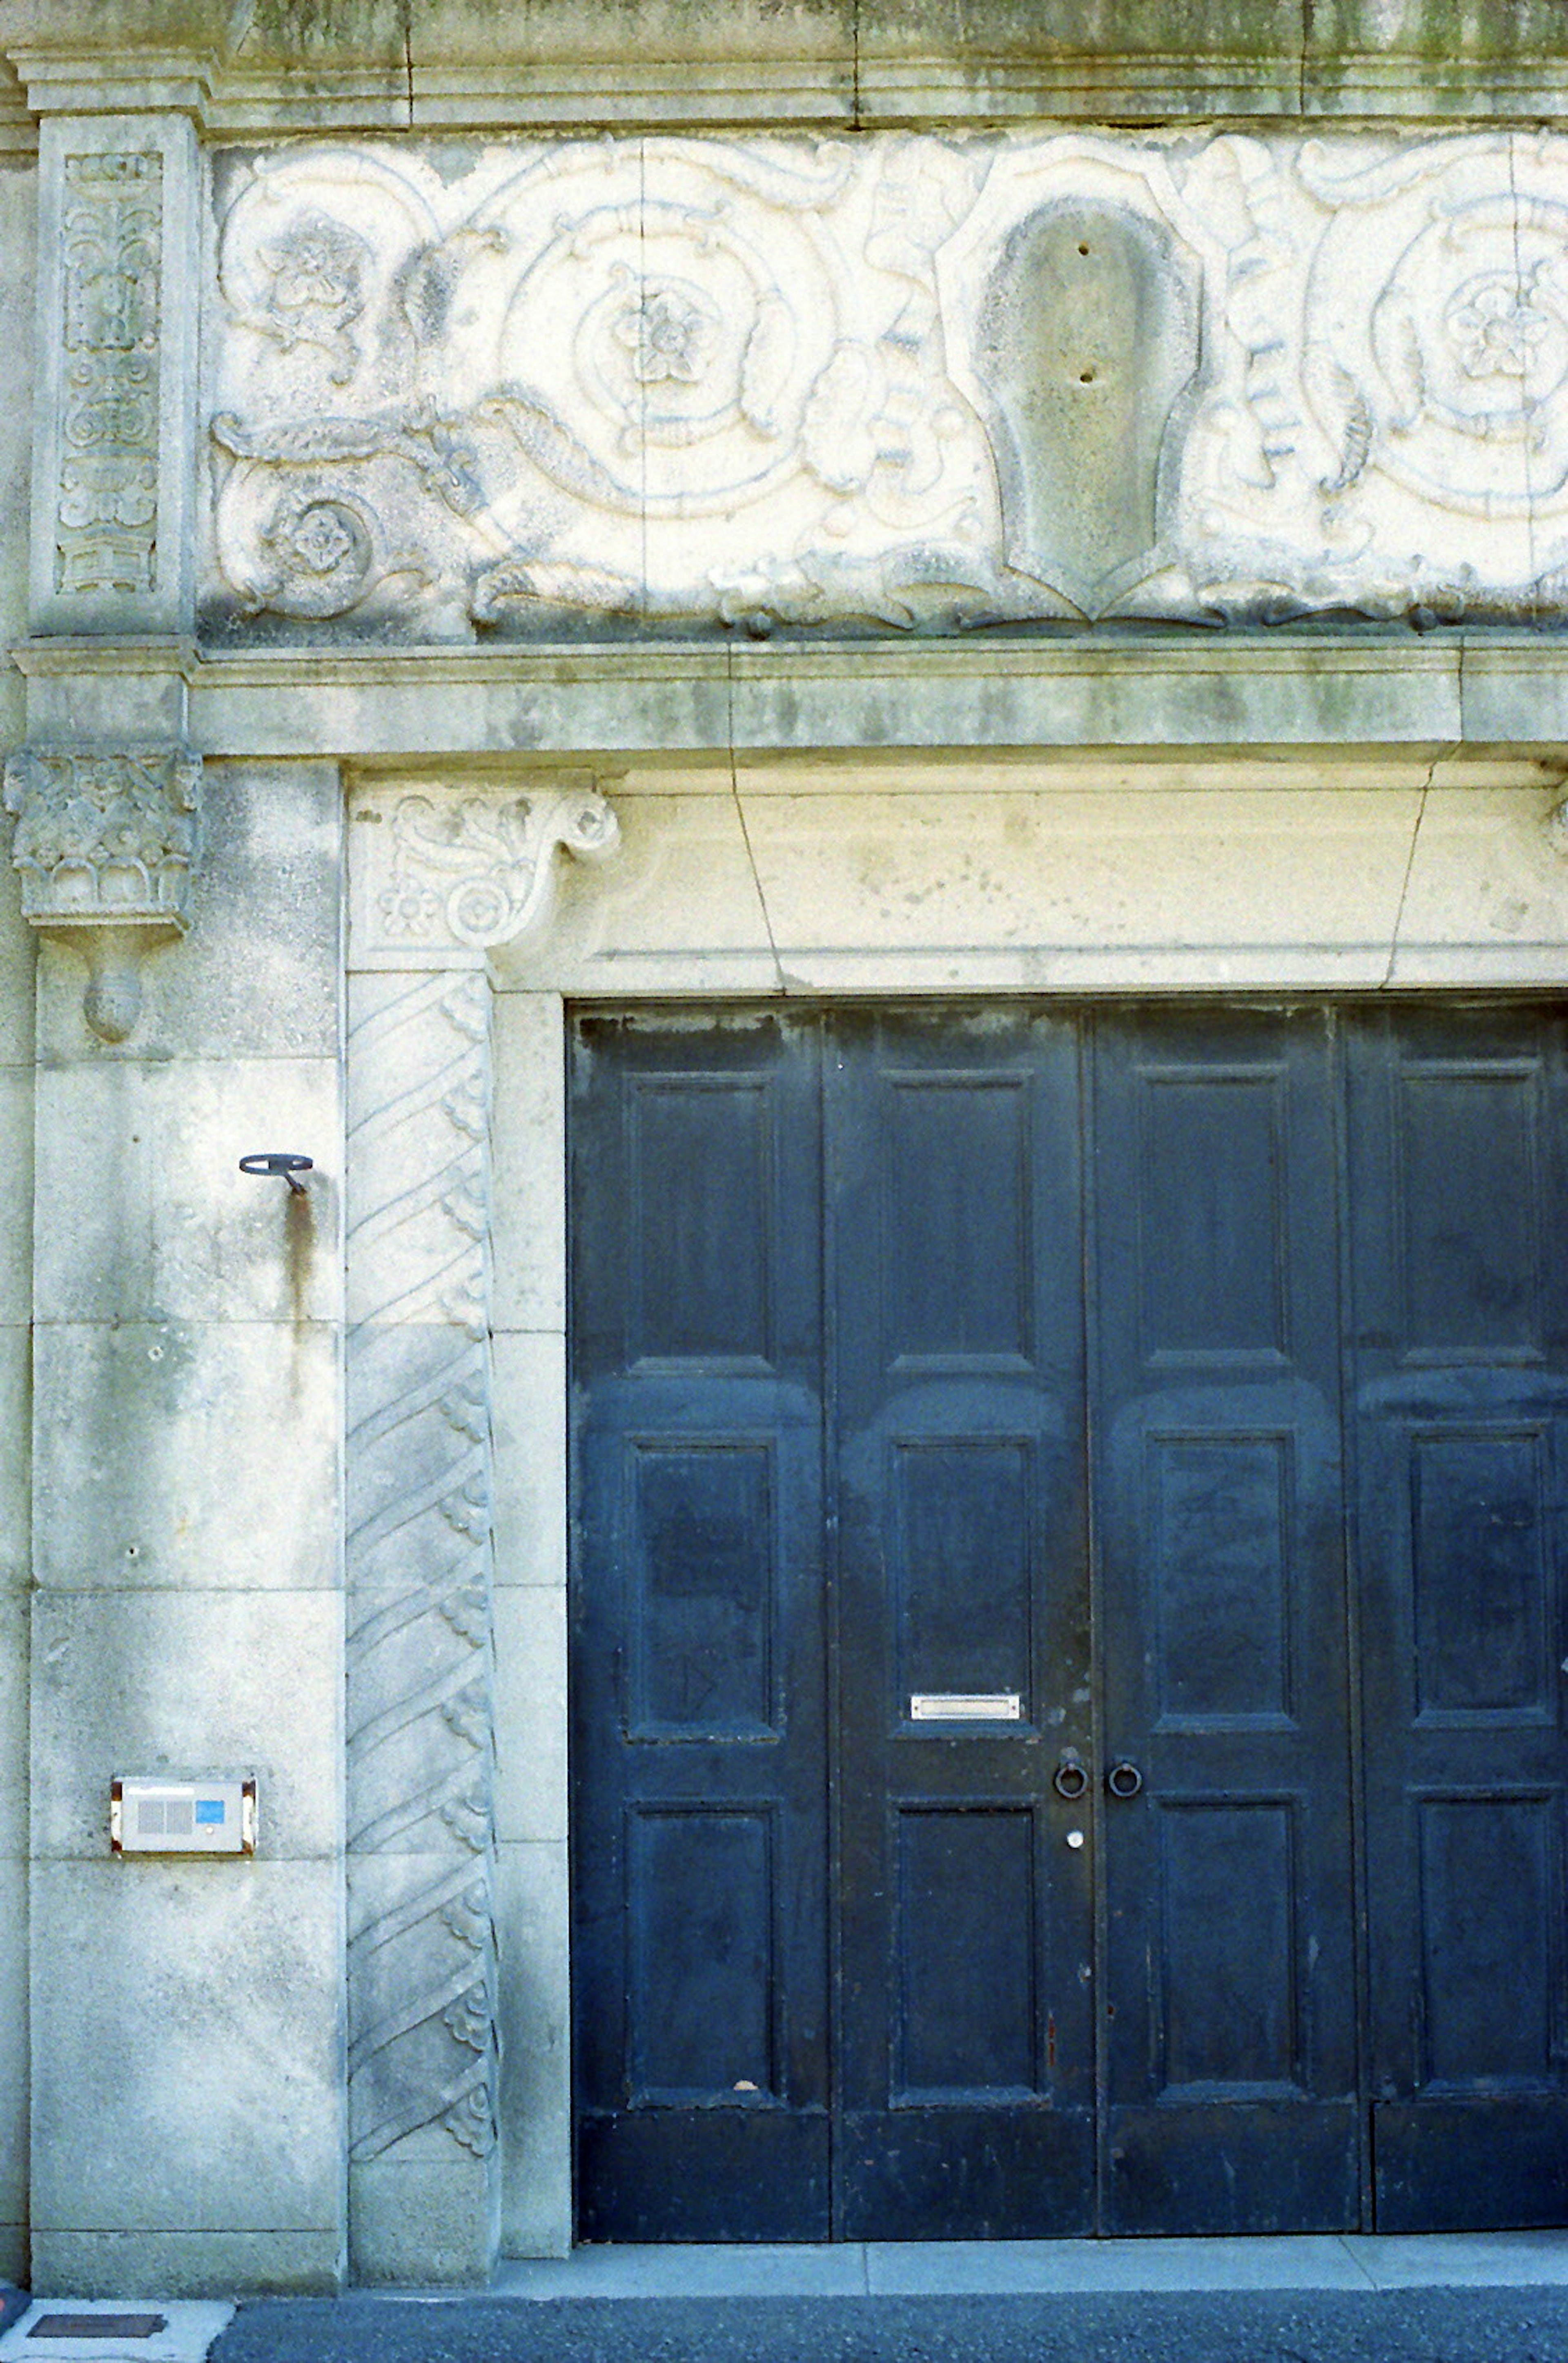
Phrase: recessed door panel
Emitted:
{"points": [[964, 2023], [1229, 2023], [1458, 1140]]}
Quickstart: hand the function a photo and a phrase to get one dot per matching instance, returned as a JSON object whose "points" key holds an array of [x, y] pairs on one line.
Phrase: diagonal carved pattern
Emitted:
{"points": [[421, 1953]]}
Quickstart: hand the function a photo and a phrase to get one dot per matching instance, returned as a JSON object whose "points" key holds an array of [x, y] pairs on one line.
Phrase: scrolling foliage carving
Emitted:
{"points": [[106, 525], [897, 382]]}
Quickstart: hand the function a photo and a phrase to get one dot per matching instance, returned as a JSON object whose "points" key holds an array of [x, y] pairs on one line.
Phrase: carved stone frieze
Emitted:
{"points": [[107, 844], [450, 873], [894, 383], [107, 522]]}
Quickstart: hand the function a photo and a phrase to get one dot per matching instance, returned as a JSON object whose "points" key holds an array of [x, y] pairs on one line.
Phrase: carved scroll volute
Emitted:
{"points": [[105, 844]]}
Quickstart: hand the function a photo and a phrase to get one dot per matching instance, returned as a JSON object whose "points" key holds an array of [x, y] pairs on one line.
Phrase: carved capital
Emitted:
{"points": [[105, 843], [463, 871]]}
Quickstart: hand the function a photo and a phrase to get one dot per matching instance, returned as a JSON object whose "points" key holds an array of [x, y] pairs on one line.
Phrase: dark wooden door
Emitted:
{"points": [[699, 1650], [1459, 1355], [1228, 1985], [965, 2052], [959, 1416]]}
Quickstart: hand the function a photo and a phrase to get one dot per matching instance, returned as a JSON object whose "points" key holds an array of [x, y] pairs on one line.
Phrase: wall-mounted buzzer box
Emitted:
{"points": [[160, 1816]]}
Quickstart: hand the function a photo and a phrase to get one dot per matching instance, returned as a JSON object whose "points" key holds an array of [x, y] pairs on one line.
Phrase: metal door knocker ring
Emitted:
{"points": [[1124, 1779], [1071, 1777]]}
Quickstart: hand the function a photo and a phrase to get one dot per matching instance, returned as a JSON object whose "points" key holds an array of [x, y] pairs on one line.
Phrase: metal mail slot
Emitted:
{"points": [[965, 1706]]}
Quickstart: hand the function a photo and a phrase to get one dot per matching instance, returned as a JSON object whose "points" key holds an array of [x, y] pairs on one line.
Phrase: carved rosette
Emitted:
{"points": [[107, 844], [421, 1956]]}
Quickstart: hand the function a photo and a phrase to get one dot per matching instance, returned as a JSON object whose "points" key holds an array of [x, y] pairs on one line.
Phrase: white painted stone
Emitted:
{"points": [[188, 2332], [528, 1169], [258, 975], [530, 1420], [14, 1619], [211, 2099], [149, 1216], [533, 1893], [187, 1682], [165, 1443], [530, 1715]]}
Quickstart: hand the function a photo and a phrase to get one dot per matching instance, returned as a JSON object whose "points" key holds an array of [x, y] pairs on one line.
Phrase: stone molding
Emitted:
{"points": [[448, 875], [106, 843]]}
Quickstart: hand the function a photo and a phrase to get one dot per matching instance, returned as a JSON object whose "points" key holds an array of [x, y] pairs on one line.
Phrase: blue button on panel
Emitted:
{"points": [[209, 1809]]}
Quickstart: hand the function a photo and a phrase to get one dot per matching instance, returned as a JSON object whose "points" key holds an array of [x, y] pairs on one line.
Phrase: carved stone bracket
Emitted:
{"points": [[107, 842], [454, 873]]}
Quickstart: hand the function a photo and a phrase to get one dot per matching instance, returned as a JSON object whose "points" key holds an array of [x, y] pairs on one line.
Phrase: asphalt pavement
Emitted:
{"points": [[1426, 2325]]}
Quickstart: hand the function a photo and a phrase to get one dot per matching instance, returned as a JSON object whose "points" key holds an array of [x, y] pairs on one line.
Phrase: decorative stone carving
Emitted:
{"points": [[106, 843], [422, 1953], [1088, 335], [107, 526], [638, 379], [449, 873], [638, 383]]}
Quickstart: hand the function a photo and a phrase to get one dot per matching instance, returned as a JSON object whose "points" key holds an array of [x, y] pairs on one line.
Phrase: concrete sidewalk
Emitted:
{"points": [[1479, 2298]]}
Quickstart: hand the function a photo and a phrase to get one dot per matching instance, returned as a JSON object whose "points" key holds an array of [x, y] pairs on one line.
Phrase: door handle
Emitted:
{"points": [[1124, 1779], [1071, 1777]]}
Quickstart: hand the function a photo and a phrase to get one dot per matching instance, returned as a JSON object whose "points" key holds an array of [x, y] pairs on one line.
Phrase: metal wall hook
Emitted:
{"points": [[286, 1161]]}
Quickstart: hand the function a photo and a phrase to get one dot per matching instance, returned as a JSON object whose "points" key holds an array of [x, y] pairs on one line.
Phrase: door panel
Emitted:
{"points": [[965, 2031], [1458, 1149], [1230, 1978], [700, 1747], [863, 1367]]}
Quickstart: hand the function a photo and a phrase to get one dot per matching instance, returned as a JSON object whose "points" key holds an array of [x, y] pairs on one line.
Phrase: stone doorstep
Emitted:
{"points": [[189, 2331]]}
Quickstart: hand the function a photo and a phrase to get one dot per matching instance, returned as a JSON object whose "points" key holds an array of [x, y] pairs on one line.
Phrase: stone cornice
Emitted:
{"points": [[256, 67], [1258, 690]]}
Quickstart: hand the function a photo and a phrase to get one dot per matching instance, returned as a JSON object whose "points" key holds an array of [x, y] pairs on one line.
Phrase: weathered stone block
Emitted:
{"points": [[17, 1202], [530, 1411], [164, 1443], [530, 1715], [14, 1626], [106, 2263], [529, 1173], [187, 1682], [14, 2071], [208, 2121], [15, 1431], [257, 976], [149, 1216], [423, 2223], [536, 2021]]}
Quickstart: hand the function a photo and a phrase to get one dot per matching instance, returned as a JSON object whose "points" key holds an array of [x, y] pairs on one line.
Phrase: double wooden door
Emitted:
{"points": [[1068, 1623]]}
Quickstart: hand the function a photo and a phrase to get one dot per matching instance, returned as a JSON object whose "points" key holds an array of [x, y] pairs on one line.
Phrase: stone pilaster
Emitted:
{"points": [[114, 420], [439, 878]]}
